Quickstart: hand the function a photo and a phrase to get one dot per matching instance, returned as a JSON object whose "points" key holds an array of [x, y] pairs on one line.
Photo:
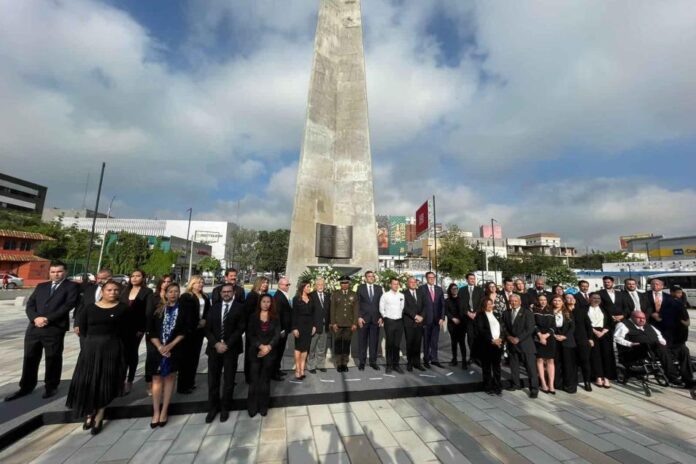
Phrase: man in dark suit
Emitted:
{"points": [[519, 329], [470, 297], [369, 320], [654, 299], [224, 327], [413, 324], [612, 300], [433, 298], [321, 308], [508, 290], [631, 298], [538, 289], [48, 310], [230, 278], [582, 298], [283, 304]]}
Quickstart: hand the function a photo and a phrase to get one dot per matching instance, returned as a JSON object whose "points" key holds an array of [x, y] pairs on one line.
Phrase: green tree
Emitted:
{"points": [[272, 250], [243, 253], [209, 264], [128, 252], [560, 275], [595, 259], [159, 262], [456, 257]]}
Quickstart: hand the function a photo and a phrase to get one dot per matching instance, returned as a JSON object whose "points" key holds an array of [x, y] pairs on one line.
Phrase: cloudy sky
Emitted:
{"points": [[577, 117]]}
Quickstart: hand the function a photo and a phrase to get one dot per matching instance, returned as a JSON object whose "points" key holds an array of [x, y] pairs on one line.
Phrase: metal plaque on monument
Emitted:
{"points": [[334, 242]]}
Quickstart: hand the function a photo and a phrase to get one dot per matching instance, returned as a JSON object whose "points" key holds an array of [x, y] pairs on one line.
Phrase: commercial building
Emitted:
{"points": [[21, 195], [17, 256], [660, 248], [66, 215]]}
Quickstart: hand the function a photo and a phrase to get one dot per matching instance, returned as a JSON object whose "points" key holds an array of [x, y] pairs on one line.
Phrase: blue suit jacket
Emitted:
{"points": [[433, 311]]}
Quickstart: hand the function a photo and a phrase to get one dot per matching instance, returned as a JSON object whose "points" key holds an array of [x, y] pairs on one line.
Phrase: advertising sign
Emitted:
{"points": [[397, 235], [422, 222], [383, 235]]}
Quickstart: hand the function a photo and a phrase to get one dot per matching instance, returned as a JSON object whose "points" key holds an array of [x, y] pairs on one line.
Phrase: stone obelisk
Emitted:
{"points": [[334, 177]]}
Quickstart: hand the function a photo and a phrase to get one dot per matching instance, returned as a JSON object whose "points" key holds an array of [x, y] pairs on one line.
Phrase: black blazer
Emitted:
{"points": [[483, 339], [524, 298], [581, 302], [452, 311], [88, 293], [567, 329], [251, 301], [188, 302], [649, 300], [284, 311], [433, 311], [239, 294], [257, 337], [615, 308], [369, 310], [583, 326], [523, 328], [412, 307], [608, 322], [136, 316], [235, 324], [56, 308], [477, 297], [322, 313], [302, 313], [181, 326], [532, 295], [629, 305]]}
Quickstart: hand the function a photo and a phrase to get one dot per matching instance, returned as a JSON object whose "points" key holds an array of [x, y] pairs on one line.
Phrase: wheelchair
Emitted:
{"points": [[641, 367]]}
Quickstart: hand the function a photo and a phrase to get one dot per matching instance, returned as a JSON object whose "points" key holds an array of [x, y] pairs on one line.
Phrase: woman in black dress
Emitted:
{"points": [[302, 327], [263, 333], [195, 305], [166, 329], [140, 300], [251, 303], [545, 344], [602, 351], [564, 333], [583, 339], [488, 345], [454, 324], [98, 375]]}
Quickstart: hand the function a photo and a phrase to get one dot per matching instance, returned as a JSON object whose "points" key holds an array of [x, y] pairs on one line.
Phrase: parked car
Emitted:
{"points": [[121, 279], [78, 277], [13, 282]]}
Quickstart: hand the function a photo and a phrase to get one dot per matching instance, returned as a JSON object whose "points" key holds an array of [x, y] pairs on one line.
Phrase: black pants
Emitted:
{"points": [[393, 330], [457, 337], [279, 351], [518, 357], [131, 344], [260, 372], [680, 354], [602, 356], [342, 340], [368, 336], [638, 353], [566, 369], [191, 354], [37, 340], [470, 334], [221, 367], [583, 355], [490, 367], [414, 336]]}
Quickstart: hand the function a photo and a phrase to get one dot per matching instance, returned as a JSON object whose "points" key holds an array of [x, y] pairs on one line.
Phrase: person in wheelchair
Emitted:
{"points": [[637, 341]]}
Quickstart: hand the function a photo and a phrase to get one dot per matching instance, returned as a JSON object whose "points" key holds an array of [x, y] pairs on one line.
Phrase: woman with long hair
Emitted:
{"points": [[263, 333], [166, 329], [161, 288], [545, 344], [195, 305], [140, 301], [302, 326], [499, 305], [583, 339], [251, 303], [455, 324], [557, 290], [564, 333], [100, 369], [488, 345]]}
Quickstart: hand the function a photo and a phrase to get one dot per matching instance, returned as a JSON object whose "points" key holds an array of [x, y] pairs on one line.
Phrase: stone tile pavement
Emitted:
{"points": [[613, 426]]}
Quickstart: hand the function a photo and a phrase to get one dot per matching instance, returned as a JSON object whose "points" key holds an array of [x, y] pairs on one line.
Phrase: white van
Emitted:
{"points": [[686, 280]]}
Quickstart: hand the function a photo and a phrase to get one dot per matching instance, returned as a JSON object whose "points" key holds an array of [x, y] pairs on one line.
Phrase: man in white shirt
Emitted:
{"points": [[391, 307]]}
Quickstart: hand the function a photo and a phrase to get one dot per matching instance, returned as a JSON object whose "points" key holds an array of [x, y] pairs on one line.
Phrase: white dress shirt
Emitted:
{"points": [[559, 319], [621, 332], [495, 325], [636, 300], [596, 316], [391, 305], [612, 295]]}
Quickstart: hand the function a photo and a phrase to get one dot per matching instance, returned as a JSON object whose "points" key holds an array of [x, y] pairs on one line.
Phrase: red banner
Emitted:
{"points": [[422, 223]]}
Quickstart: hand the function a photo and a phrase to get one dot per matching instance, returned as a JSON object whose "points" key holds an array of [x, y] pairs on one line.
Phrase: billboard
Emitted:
{"points": [[422, 219], [397, 235], [383, 235]]}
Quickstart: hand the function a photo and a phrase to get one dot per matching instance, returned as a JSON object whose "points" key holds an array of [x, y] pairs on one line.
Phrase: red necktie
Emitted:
{"points": [[432, 294]]}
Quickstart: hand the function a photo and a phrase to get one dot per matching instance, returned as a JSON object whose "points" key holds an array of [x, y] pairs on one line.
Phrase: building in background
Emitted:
{"points": [[660, 248], [17, 256], [485, 231], [67, 215], [21, 195], [624, 239]]}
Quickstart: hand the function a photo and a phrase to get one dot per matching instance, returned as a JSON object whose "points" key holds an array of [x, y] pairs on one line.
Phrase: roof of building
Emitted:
{"points": [[25, 235], [540, 234], [17, 258]]}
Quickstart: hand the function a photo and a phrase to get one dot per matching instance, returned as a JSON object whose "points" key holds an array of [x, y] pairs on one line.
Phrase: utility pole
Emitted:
{"points": [[106, 230], [188, 234], [495, 267], [94, 219]]}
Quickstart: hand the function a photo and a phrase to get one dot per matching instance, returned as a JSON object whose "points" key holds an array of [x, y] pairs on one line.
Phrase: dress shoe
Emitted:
{"points": [[454, 362], [499, 392], [465, 365], [409, 368], [312, 371], [419, 367], [588, 386], [322, 369], [533, 394], [398, 370], [426, 365], [374, 366], [17, 394], [263, 413], [361, 367], [49, 393], [436, 363], [252, 414], [388, 370], [97, 428], [88, 423], [345, 368], [210, 417], [224, 415]]}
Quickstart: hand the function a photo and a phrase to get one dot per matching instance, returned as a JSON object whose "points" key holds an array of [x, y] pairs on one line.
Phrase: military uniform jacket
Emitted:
{"points": [[344, 308]]}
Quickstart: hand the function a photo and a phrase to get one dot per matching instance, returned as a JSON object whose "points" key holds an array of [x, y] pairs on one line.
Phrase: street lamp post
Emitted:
{"points": [[495, 267], [188, 233], [106, 231]]}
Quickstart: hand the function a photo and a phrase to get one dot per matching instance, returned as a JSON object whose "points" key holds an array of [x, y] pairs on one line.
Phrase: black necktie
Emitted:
{"points": [[369, 291], [225, 312], [321, 299], [53, 289]]}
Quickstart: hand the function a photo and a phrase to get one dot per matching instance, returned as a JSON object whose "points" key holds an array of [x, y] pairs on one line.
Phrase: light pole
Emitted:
{"points": [[495, 267], [106, 231], [188, 233]]}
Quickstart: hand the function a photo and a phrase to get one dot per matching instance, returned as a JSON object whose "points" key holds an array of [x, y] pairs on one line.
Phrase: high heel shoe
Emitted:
{"points": [[162, 423], [97, 428], [88, 423]]}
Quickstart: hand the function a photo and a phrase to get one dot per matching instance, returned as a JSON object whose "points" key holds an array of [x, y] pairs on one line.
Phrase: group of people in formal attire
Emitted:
{"points": [[552, 334]]}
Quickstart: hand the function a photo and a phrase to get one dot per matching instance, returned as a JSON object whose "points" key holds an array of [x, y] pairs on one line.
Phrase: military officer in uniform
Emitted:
{"points": [[344, 318]]}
